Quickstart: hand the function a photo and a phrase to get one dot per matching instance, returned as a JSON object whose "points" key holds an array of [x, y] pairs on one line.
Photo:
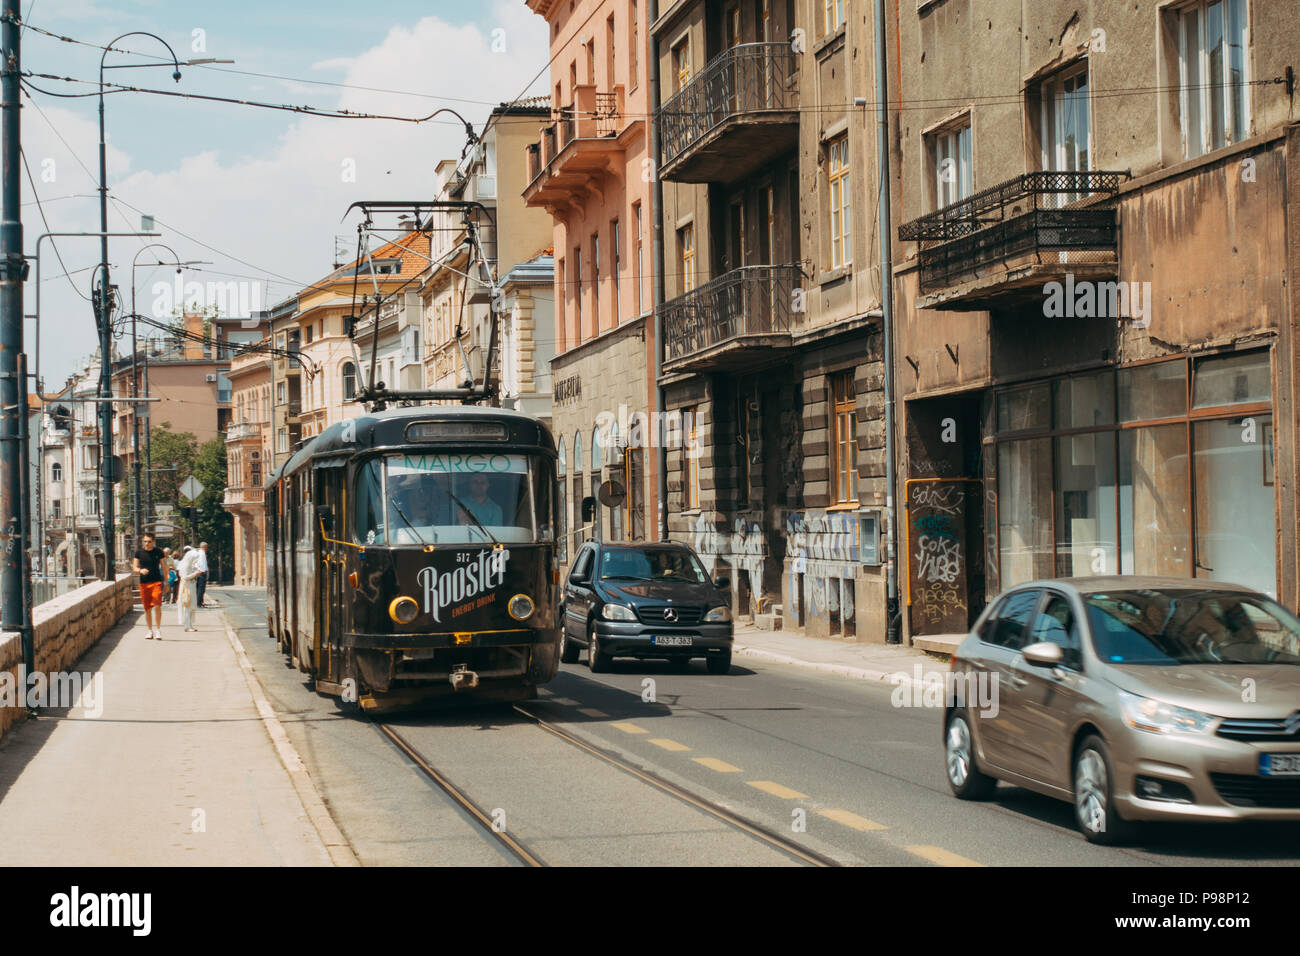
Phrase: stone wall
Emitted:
{"points": [[65, 628]]}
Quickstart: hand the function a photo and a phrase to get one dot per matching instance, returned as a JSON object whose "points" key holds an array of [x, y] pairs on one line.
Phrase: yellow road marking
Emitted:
{"points": [[713, 763], [591, 712], [850, 819], [629, 728], [669, 744], [937, 854], [776, 790]]}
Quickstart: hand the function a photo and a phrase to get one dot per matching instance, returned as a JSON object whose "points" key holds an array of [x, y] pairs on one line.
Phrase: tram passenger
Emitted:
{"points": [[479, 505], [415, 503]]}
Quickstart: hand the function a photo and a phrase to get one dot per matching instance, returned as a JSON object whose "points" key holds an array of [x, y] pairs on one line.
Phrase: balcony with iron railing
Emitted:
{"points": [[732, 322], [587, 141], [739, 113], [1003, 243]]}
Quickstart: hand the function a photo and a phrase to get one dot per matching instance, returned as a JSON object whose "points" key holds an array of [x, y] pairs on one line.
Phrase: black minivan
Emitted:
{"points": [[647, 601]]}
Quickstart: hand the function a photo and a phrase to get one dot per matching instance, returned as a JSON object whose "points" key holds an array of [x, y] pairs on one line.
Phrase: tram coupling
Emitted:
{"points": [[462, 678]]}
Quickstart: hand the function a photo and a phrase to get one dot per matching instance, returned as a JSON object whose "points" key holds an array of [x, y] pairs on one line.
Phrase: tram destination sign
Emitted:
{"points": [[456, 431]]}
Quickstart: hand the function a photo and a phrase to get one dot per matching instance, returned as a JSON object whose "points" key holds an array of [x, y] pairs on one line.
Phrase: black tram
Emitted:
{"points": [[411, 553]]}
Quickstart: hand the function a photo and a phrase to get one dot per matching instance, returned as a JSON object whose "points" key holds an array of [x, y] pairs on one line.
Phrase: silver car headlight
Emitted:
{"points": [[1157, 717], [617, 612], [717, 614]]}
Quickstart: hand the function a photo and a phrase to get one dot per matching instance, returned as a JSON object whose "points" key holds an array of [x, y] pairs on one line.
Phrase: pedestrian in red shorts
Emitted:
{"points": [[148, 564]]}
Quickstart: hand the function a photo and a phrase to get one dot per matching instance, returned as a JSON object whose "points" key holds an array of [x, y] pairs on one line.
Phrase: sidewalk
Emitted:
{"points": [[178, 769], [872, 662]]}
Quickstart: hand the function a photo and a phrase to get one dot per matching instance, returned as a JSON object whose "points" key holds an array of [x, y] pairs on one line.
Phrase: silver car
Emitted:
{"points": [[1134, 698]]}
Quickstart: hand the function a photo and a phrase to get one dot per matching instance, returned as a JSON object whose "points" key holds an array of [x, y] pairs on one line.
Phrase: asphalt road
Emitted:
{"points": [[827, 761]]}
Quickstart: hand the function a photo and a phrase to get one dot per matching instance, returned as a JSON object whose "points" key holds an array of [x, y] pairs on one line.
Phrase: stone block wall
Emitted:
{"points": [[65, 628]]}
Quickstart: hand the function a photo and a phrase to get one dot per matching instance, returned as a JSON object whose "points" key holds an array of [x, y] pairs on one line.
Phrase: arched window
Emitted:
{"points": [[559, 465], [595, 450], [349, 381], [577, 452], [56, 472]]}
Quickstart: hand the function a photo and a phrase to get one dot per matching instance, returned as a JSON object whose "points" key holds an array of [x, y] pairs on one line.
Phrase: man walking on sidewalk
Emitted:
{"points": [[202, 580], [148, 566]]}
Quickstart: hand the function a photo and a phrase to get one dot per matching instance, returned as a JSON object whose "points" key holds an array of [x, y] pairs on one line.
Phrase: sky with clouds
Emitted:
{"points": [[259, 194]]}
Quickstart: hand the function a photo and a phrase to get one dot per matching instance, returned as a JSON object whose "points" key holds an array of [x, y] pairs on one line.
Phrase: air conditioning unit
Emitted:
{"points": [[210, 377]]}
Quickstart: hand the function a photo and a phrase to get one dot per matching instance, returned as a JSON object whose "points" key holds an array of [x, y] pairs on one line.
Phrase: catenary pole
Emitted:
{"points": [[13, 393]]}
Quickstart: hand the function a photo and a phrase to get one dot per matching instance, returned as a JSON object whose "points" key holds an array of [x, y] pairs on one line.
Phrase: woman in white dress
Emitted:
{"points": [[187, 569]]}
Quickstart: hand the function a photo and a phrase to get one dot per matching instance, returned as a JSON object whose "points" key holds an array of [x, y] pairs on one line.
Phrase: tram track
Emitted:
{"points": [[520, 851], [516, 848]]}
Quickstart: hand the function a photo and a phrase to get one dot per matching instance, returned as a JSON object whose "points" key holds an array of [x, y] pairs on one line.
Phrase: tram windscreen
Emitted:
{"points": [[461, 497]]}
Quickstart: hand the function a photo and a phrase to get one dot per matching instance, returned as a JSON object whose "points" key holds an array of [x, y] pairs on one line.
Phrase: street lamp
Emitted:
{"points": [[135, 384], [103, 309]]}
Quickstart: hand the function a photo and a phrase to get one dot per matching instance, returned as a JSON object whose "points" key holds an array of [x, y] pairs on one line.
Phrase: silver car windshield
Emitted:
{"points": [[1191, 627]]}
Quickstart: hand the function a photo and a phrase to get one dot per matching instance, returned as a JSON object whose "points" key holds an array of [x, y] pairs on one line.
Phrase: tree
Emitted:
{"points": [[166, 449], [215, 524]]}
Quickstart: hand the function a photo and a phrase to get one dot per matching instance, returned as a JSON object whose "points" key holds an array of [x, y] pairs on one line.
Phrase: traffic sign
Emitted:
{"points": [[191, 488], [611, 494]]}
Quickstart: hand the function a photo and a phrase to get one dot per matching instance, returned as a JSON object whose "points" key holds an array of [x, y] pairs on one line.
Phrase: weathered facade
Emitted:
{"points": [[248, 463], [1096, 295], [772, 318]]}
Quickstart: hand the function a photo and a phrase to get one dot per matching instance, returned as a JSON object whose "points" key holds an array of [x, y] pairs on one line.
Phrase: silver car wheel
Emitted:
{"points": [[959, 750], [1090, 791]]}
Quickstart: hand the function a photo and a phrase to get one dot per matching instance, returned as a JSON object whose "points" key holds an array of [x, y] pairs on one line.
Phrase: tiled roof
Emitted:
{"points": [[412, 249]]}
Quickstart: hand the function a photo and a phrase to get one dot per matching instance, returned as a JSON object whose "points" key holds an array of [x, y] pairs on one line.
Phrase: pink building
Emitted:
{"points": [[591, 168]]}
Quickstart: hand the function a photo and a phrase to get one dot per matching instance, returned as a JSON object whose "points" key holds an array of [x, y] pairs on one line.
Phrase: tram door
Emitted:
{"points": [[329, 611]]}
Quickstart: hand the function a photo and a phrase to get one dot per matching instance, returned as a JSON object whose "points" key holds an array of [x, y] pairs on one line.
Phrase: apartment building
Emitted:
{"points": [[248, 460], [66, 516], [508, 245], [772, 311], [310, 393], [1096, 295], [590, 167]]}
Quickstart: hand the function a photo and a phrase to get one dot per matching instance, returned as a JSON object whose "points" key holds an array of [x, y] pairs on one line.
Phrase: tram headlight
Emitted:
{"points": [[403, 609], [521, 607]]}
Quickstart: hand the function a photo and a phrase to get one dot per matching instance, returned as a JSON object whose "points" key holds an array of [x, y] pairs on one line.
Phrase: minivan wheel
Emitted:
{"points": [[965, 778], [568, 650], [597, 660], [1094, 796]]}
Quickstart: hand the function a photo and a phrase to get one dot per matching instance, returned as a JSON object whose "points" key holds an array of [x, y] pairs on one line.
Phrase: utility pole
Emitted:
{"points": [[892, 606], [14, 611]]}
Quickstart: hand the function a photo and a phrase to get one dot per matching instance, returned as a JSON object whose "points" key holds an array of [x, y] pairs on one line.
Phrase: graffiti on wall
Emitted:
{"points": [[937, 534], [823, 548], [742, 549]]}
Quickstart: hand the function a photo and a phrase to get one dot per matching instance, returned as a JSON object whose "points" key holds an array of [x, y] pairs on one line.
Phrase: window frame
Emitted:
{"points": [[839, 200], [691, 460], [1230, 103], [842, 406]]}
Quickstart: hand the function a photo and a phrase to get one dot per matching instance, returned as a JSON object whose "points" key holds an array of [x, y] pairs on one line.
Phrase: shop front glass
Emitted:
{"points": [[1159, 469]]}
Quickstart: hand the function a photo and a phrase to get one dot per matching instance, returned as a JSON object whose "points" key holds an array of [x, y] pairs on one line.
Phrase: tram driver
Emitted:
{"points": [[476, 506]]}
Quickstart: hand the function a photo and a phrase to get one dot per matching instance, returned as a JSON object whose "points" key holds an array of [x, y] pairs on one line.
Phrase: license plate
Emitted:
{"points": [[1279, 765], [671, 640]]}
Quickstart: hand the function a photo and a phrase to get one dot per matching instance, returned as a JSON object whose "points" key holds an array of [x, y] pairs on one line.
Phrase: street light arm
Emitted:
{"points": [[176, 63]]}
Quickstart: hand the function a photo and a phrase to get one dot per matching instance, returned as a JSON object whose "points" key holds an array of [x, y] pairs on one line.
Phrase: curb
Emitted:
{"points": [[839, 670], [336, 844]]}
